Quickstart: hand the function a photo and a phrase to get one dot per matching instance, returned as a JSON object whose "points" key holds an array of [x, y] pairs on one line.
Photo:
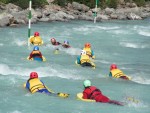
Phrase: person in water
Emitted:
{"points": [[84, 59], [36, 39], [36, 54], [54, 42], [92, 92], [117, 73], [34, 84], [89, 51], [66, 44]]}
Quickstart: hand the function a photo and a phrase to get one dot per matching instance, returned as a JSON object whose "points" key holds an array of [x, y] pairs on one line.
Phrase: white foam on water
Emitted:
{"points": [[141, 80], [20, 42], [71, 51], [42, 71], [16, 111], [107, 28], [144, 33], [119, 32], [1, 44], [133, 45]]}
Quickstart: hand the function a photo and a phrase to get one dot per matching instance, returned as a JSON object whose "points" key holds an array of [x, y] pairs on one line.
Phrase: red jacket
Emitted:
{"points": [[35, 54], [95, 94], [56, 43]]}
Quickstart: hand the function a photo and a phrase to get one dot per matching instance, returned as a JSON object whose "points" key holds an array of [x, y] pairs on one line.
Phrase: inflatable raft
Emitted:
{"points": [[79, 97], [92, 65]]}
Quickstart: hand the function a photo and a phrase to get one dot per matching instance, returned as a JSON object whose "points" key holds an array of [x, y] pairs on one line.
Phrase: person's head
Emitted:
{"points": [[83, 52], [87, 45], [36, 34], [33, 75], [87, 83], [36, 48], [66, 42], [53, 40], [113, 66]]}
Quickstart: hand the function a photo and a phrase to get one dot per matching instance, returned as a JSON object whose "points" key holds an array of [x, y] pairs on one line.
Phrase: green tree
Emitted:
{"points": [[112, 3], [139, 2]]}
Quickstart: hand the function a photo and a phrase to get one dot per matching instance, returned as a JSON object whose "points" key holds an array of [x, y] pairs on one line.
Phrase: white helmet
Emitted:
{"points": [[83, 52]]}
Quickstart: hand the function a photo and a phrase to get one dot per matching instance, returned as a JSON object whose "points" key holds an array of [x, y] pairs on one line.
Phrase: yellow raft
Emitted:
{"points": [[93, 65], [44, 59], [79, 97]]}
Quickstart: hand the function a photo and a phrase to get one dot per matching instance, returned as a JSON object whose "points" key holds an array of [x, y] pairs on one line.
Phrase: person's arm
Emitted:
{"points": [[92, 54], [28, 85], [31, 55], [85, 96], [78, 59], [41, 41], [110, 74], [50, 90]]}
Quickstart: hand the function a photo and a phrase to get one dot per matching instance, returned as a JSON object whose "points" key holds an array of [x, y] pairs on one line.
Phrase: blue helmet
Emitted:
{"points": [[66, 42], [36, 48]]}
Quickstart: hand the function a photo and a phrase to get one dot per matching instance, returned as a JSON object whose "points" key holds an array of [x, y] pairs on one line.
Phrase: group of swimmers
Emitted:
{"points": [[34, 84]]}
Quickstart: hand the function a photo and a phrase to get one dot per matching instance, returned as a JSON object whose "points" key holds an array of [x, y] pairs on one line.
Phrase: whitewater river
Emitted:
{"points": [[126, 43]]}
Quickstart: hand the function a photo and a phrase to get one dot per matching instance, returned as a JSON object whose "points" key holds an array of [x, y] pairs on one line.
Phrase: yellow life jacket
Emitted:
{"points": [[85, 58], [88, 51], [36, 40], [117, 73], [35, 85]]}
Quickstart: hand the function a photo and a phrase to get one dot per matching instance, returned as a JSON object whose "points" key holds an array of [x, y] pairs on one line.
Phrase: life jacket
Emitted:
{"points": [[85, 58], [36, 54], [88, 51], [92, 92], [117, 73], [56, 43], [36, 40], [66, 46], [35, 85]]}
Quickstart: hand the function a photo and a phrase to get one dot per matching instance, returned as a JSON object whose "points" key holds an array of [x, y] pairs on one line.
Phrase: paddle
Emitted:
{"points": [[60, 94]]}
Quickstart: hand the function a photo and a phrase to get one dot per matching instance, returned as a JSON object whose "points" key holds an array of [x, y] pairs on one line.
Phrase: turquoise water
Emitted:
{"points": [[126, 43]]}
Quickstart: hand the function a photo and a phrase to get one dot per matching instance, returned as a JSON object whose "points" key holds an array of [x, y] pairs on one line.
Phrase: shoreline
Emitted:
{"points": [[13, 16]]}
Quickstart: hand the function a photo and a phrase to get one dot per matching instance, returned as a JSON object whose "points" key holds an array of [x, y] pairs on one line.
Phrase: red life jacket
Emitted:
{"points": [[92, 92], [56, 43]]}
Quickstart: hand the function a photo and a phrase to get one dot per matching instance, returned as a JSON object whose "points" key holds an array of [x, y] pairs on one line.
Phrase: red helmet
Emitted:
{"points": [[53, 40], [87, 45], [113, 66], [33, 75], [36, 34]]}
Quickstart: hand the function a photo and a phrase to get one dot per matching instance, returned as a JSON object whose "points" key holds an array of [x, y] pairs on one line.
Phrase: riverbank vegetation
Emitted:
{"points": [[91, 3]]}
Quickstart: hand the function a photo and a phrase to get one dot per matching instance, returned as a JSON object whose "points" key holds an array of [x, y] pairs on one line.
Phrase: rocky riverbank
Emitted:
{"points": [[12, 15]]}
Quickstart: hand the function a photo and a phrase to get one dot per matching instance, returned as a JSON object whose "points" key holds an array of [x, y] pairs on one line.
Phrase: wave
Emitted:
{"points": [[1, 44], [16, 111], [19, 42], [119, 32], [71, 51], [107, 28], [141, 80], [144, 33], [44, 72], [133, 45], [93, 28]]}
